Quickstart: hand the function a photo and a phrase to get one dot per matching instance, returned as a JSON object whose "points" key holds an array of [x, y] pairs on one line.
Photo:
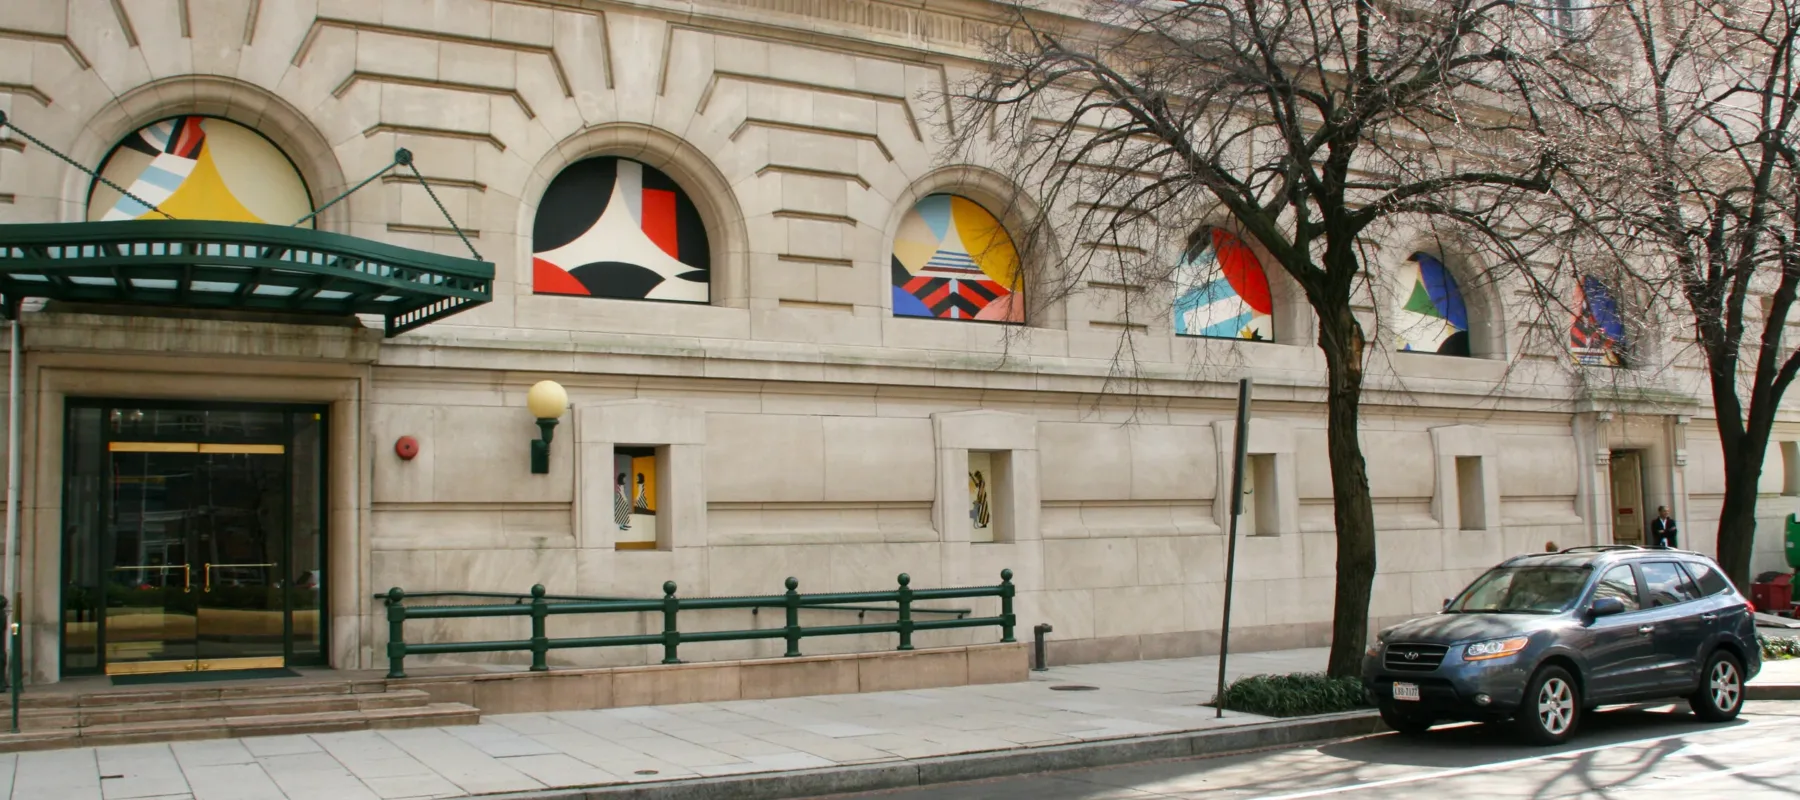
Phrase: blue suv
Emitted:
{"points": [[1544, 639]]}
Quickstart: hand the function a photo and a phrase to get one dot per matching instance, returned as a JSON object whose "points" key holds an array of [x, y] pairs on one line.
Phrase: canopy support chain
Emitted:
{"points": [[5, 122]]}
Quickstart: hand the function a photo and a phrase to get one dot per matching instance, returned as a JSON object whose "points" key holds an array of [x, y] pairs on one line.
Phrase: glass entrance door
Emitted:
{"points": [[193, 539], [198, 530]]}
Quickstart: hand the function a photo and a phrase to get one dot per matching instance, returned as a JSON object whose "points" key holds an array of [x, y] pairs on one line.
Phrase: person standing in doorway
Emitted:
{"points": [[1662, 529]]}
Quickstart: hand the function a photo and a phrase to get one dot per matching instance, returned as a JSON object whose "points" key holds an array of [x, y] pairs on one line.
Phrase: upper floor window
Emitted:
{"points": [[203, 168], [953, 259], [1597, 333], [614, 227], [1222, 291], [1432, 317]]}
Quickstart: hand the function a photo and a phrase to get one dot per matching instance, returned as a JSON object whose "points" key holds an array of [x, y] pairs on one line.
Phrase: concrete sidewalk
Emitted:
{"points": [[534, 752], [525, 752]]}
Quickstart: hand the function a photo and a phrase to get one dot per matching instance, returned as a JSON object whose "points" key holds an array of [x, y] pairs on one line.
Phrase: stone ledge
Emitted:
{"points": [[259, 336], [717, 681]]}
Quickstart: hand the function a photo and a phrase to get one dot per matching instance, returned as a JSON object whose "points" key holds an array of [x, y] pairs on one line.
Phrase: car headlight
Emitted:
{"points": [[1496, 648], [1374, 649]]}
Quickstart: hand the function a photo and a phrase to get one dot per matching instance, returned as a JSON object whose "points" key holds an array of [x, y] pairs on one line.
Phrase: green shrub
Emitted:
{"points": [[1294, 695], [1777, 648]]}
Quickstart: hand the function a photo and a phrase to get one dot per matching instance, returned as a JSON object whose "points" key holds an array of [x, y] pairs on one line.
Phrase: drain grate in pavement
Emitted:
{"points": [[1073, 687]]}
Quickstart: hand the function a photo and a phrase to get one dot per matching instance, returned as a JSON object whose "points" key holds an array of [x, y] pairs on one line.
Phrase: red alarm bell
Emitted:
{"points": [[406, 448]]}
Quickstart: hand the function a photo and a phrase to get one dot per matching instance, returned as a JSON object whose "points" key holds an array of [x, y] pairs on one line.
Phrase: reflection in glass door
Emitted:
{"points": [[204, 555]]}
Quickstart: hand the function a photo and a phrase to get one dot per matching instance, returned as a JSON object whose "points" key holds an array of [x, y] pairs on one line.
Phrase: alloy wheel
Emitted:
{"points": [[1556, 706], [1726, 689]]}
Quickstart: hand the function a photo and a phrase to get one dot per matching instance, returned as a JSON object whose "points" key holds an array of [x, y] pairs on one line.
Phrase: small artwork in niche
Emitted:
{"points": [[634, 496], [981, 497]]}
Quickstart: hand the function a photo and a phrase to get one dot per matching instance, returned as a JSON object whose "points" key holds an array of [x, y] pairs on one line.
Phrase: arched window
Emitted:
{"points": [[1432, 317], [1222, 291], [202, 168], [614, 227], [954, 260], [1597, 332]]}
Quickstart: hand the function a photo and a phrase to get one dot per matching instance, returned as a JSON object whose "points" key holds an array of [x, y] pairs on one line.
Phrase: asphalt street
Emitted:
{"points": [[1641, 754]]}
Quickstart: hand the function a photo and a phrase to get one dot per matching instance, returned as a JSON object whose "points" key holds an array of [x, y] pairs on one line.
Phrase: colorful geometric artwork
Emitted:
{"points": [[1221, 291], [634, 494], [1432, 318], [613, 227], [200, 168], [953, 260], [981, 505], [1597, 333]]}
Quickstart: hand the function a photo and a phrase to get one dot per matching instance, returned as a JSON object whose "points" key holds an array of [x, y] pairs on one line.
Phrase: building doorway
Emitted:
{"points": [[193, 537], [1629, 521]]}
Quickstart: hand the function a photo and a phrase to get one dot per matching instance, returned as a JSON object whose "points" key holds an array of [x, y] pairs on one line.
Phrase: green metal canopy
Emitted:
{"points": [[236, 265]]}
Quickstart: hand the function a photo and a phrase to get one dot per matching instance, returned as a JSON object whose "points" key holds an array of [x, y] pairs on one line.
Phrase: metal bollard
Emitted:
{"points": [[1039, 630]]}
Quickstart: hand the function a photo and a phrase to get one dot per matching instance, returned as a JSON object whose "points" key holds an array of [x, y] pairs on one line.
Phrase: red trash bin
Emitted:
{"points": [[1774, 597]]}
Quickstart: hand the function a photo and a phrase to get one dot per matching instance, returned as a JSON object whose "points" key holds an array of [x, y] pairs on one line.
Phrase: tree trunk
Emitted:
{"points": [[1737, 518], [1341, 339]]}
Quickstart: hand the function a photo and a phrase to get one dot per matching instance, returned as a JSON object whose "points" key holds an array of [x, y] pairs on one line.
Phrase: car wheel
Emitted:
{"points": [[1406, 722], [1552, 707], [1721, 694]]}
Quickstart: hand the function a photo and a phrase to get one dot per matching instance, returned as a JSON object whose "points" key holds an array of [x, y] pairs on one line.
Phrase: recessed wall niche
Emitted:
{"points": [[635, 494]]}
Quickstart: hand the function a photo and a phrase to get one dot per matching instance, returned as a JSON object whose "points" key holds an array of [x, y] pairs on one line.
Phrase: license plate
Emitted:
{"points": [[1406, 691]]}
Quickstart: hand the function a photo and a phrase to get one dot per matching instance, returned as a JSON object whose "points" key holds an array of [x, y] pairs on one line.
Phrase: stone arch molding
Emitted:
{"points": [[1481, 291], [1017, 212], [704, 184], [215, 96]]}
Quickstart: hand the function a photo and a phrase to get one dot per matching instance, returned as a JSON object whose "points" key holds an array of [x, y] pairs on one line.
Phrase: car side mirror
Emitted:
{"points": [[1607, 606], [1446, 605]]}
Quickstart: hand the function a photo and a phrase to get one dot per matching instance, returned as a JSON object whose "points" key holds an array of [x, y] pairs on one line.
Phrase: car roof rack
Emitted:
{"points": [[1600, 548]]}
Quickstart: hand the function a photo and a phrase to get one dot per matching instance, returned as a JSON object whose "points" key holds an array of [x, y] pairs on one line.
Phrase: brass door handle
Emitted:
{"points": [[187, 579], [208, 569]]}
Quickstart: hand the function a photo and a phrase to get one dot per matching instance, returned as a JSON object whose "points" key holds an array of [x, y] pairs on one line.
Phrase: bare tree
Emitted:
{"points": [[1316, 126], [1681, 141]]}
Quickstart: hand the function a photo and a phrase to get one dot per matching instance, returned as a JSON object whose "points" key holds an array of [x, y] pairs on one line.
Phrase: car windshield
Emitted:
{"points": [[1522, 590]]}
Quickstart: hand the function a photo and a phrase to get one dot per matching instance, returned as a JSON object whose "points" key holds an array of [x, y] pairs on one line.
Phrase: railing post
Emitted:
{"points": [[396, 611], [671, 634], [906, 621], [793, 618], [1007, 620], [540, 643]]}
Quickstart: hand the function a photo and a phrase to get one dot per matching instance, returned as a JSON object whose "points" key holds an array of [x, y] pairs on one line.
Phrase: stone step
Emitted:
{"points": [[193, 694], [223, 727], [162, 709]]}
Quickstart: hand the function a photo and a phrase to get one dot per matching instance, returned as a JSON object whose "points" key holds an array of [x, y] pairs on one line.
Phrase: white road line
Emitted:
{"points": [[1451, 773], [1707, 776]]}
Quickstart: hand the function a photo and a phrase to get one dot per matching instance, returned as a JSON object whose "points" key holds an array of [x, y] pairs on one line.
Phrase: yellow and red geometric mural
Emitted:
{"points": [[200, 168]]}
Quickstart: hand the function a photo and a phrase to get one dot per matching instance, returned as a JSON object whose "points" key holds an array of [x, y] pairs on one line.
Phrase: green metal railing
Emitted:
{"points": [[541, 607]]}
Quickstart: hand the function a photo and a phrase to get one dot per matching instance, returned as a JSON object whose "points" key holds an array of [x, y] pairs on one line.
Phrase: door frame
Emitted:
{"points": [[323, 410]]}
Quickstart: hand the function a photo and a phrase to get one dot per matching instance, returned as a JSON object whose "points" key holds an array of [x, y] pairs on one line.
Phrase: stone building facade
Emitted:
{"points": [[797, 325]]}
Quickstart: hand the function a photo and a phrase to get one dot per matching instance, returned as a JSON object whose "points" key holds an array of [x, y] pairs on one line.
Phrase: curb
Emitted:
{"points": [[1772, 691], [915, 773]]}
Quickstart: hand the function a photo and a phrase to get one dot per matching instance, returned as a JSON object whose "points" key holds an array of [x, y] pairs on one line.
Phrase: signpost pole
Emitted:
{"points": [[1237, 510]]}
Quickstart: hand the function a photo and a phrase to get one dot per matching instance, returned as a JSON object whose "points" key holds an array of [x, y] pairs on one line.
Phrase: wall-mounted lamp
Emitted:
{"points": [[547, 400]]}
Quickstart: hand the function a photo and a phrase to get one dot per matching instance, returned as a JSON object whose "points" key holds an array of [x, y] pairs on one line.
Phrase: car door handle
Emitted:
{"points": [[1646, 629], [1708, 617]]}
